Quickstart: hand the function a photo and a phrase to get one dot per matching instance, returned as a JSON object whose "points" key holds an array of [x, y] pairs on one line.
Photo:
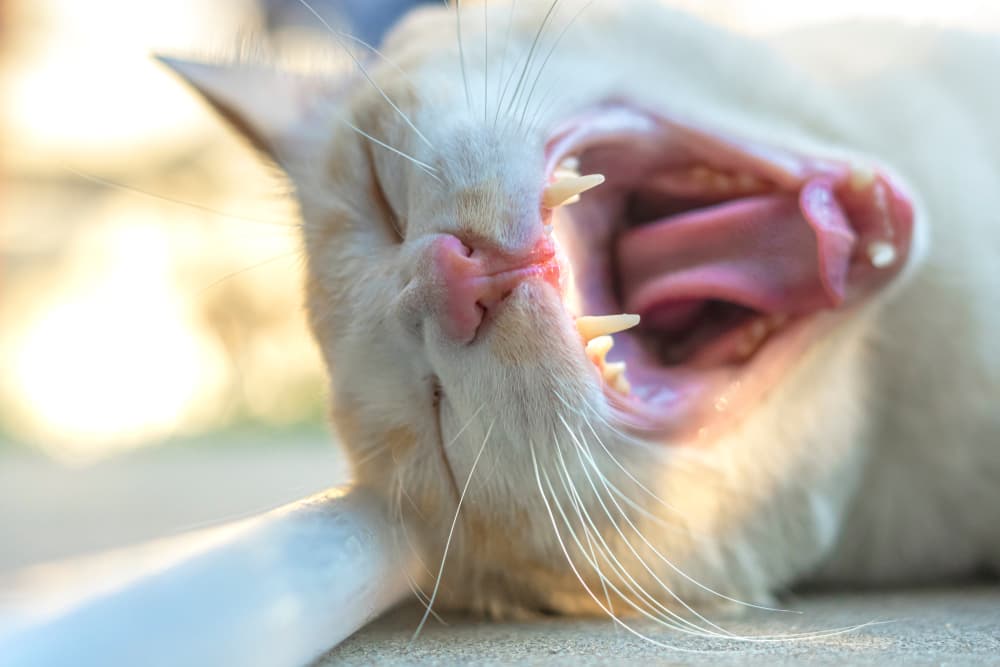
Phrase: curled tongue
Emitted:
{"points": [[776, 253]]}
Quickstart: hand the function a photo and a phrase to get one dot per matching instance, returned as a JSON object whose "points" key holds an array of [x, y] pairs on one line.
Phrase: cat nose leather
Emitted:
{"points": [[475, 278]]}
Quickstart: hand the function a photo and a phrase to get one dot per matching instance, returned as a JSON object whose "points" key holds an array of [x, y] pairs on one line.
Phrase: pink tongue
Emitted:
{"points": [[772, 253]]}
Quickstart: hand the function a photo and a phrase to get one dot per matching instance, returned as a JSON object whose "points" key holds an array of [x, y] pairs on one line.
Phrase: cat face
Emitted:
{"points": [[470, 297]]}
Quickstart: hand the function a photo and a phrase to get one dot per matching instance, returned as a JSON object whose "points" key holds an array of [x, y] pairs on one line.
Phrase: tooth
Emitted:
{"points": [[747, 347], [614, 375], [861, 178], [592, 326], [570, 166], [613, 370], [747, 182], [563, 190], [597, 349], [881, 254], [721, 182], [776, 321], [701, 173]]}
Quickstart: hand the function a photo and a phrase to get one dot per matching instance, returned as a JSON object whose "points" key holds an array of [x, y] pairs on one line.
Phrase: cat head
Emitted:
{"points": [[485, 215]]}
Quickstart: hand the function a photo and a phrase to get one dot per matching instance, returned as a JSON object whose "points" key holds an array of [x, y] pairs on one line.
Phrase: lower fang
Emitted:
{"points": [[861, 178], [570, 166], [881, 254]]}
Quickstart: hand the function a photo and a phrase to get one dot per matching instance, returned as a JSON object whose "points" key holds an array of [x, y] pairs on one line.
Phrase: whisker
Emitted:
{"points": [[576, 572], [388, 61], [809, 635], [451, 531], [503, 60], [364, 72], [761, 639], [579, 508], [616, 565], [615, 460], [631, 548], [270, 260], [667, 561], [400, 523], [455, 438], [555, 44], [426, 168], [461, 50], [531, 51], [486, 63], [200, 207]]}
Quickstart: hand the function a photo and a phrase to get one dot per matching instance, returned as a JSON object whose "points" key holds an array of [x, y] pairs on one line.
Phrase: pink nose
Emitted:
{"points": [[474, 280]]}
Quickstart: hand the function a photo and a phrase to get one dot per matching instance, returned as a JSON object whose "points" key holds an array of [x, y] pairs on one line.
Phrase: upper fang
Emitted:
{"points": [[566, 188]]}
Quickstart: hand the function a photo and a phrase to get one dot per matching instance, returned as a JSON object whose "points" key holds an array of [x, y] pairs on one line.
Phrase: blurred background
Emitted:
{"points": [[155, 369]]}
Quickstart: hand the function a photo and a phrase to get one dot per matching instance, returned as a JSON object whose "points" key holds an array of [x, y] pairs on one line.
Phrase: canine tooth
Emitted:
{"points": [[592, 326], [861, 178], [597, 349], [621, 385], [561, 191], [881, 254]]}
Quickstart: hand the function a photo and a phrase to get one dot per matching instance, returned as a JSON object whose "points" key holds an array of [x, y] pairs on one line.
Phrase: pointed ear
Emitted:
{"points": [[264, 104]]}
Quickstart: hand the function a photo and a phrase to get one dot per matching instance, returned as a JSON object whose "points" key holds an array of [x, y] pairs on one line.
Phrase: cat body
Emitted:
{"points": [[865, 443]]}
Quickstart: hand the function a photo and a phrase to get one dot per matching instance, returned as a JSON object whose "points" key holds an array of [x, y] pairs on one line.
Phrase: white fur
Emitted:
{"points": [[875, 460]]}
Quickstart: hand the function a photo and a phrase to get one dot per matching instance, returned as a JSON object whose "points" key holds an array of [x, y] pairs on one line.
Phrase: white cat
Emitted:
{"points": [[809, 229]]}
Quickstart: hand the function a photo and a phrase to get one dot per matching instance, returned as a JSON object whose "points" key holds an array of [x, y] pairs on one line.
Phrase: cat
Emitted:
{"points": [[625, 314]]}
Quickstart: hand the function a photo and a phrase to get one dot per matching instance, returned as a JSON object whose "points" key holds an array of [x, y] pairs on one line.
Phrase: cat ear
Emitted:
{"points": [[264, 104]]}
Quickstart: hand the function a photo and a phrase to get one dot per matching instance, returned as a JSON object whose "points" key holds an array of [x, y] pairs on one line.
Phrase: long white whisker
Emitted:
{"points": [[576, 572], [701, 631], [616, 565], [426, 168], [381, 55], [468, 423], [580, 509], [461, 50], [761, 639], [451, 531], [400, 523], [538, 75], [531, 52], [503, 60], [486, 63], [257, 265], [364, 72], [615, 460], [661, 556], [200, 207]]}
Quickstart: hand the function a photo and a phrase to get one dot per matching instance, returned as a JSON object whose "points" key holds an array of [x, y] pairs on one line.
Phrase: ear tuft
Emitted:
{"points": [[263, 103]]}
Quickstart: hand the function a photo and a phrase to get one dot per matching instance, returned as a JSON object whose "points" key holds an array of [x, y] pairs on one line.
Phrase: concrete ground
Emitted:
{"points": [[955, 626], [47, 512]]}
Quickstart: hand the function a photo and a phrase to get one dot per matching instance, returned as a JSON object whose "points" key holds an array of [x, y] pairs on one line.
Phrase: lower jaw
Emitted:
{"points": [[680, 406], [698, 403]]}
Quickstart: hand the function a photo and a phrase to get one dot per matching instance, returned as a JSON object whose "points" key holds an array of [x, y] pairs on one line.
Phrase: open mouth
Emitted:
{"points": [[729, 252]]}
